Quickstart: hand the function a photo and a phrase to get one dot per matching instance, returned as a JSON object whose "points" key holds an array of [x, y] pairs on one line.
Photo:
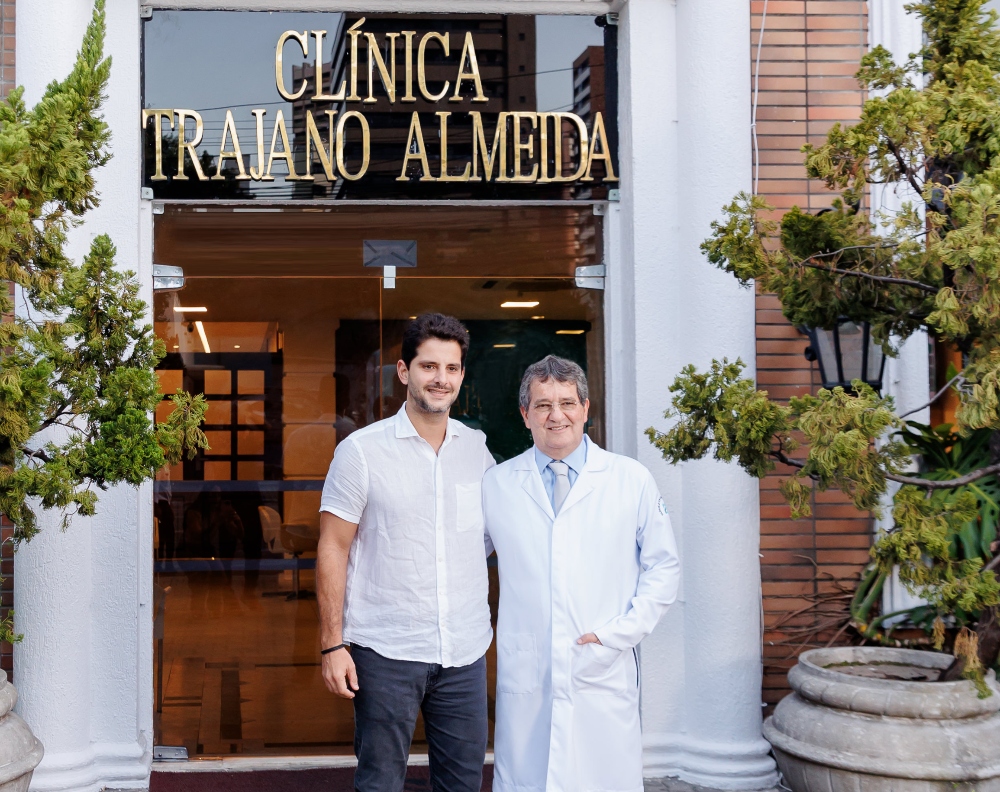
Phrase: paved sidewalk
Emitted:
{"points": [[676, 785]]}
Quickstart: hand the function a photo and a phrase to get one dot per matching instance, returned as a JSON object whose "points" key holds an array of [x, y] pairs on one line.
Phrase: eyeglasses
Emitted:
{"points": [[545, 408]]}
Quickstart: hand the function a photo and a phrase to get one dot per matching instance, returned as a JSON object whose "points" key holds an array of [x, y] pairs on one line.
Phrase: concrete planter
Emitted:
{"points": [[20, 752], [843, 729]]}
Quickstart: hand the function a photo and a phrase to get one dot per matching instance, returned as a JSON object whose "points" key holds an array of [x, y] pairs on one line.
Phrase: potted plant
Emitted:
{"points": [[931, 127], [78, 385]]}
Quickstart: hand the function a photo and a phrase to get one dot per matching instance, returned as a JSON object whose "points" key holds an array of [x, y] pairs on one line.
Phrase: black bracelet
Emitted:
{"points": [[332, 649]]}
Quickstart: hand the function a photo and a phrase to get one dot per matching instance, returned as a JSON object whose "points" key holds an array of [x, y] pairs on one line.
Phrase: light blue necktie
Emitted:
{"points": [[561, 488]]}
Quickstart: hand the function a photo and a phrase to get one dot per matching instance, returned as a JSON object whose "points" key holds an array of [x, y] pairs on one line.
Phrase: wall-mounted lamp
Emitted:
{"points": [[846, 353]]}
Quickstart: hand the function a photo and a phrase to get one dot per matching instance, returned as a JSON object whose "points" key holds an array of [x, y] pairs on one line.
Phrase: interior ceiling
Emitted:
{"points": [[321, 299], [452, 241]]}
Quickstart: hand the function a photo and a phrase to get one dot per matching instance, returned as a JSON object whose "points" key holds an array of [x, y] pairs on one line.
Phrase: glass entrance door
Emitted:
{"points": [[294, 342]]}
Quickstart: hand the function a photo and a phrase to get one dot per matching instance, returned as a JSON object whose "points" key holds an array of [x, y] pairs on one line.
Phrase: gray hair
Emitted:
{"points": [[552, 367]]}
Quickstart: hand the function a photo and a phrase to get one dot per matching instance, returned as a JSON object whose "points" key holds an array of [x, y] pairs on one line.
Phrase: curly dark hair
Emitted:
{"points": [[433, 325]]}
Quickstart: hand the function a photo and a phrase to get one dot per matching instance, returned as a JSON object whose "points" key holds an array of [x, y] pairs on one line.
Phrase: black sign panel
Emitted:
{"points": [[305, 106]]}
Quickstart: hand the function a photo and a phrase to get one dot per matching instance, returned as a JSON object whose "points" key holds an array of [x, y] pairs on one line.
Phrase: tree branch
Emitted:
{"points": [[861, 274], [930, 484], [910, 177], [937, 395], [961, 481], [36, 454]]}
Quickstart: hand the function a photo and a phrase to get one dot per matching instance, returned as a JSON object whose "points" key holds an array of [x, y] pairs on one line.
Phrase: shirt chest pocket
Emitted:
{"points": [[469, 507]]}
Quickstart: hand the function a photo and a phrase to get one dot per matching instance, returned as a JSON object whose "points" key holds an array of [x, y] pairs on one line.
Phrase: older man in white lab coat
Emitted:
{"points": [[588, 565]]}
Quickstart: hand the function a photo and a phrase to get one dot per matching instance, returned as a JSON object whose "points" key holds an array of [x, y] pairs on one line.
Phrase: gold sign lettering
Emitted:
{"points": [[408, 50], [524, 146], [354, 31], [258, 173], [236, 153], [279, 72], [581, 130], [599, 135], [319, 96], [422, 66], [365, 145], [285, 153], [445, 176], [158, 114], [489, 154], [388, 76], [468, 54], [415, 150], [513, 137], [312, 136], [188, 146]]}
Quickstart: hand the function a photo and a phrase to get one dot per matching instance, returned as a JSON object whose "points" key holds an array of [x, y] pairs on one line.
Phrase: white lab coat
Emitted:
{"points": [[567, 716]]}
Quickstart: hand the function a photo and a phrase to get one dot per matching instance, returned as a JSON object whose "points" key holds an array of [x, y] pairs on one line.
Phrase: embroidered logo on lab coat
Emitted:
{"points": [[661, 506]]}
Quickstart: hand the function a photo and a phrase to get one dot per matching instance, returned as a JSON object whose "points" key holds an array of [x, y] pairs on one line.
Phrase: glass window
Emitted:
{"points": [[294, 343]]}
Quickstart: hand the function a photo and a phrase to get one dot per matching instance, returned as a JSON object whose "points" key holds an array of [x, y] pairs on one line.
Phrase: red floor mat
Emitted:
{"points": [[334, 779]]}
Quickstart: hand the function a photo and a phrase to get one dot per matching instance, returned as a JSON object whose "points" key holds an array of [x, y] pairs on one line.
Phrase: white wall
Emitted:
{"points": [[82, 597]]}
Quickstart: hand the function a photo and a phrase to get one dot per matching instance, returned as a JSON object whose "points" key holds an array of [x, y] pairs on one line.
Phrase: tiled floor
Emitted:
{"points": [[331, 780], [327, 780]]}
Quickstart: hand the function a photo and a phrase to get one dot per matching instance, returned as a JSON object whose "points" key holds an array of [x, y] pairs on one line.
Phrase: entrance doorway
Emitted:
{"points": [[294, 342]]}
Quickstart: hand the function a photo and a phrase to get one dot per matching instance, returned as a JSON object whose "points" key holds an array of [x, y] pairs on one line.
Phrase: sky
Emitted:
{"points": [[220, 59]]}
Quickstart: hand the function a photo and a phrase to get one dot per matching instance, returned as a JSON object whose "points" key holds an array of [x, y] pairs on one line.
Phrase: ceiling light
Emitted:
{"points": [[190, 309], [201, 334], [503, 346], [570, 332], [537, 317], [519, 304], [177, 346], [413, 317], [236, 346]]}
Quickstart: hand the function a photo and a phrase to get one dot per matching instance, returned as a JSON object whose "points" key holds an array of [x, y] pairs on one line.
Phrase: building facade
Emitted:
{"points": [[288, 336]]}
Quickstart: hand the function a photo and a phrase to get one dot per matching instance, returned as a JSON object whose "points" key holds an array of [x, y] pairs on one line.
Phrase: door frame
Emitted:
{"points": [[619, 326]]}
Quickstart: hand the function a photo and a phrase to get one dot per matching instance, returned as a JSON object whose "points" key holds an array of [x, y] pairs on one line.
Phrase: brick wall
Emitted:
{"points": [[6, 530], [810, 52]]}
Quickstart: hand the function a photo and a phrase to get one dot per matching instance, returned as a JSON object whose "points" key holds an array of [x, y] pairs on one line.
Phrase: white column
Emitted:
{"points": [[906, 377], [685, 97], [82, 596]]}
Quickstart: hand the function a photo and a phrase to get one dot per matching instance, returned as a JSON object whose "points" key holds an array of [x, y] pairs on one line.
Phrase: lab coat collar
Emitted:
{"points": [[598, 461], [405, 428], [576, 460]]}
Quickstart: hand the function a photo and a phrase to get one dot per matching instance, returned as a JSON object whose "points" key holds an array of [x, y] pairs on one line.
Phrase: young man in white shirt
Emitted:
{"points": [[401, 574]]}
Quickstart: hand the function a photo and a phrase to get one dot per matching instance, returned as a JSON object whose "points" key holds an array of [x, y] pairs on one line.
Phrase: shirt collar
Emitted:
{"points": [[405, 428], [576, 460]]}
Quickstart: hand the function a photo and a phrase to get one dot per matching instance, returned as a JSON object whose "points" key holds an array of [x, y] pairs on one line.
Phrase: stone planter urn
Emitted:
{"points": [[20, 751], [873, 719]]}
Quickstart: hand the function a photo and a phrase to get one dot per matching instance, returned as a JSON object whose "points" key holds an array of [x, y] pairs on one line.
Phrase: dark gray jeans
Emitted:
{"points": [[453, 702]]}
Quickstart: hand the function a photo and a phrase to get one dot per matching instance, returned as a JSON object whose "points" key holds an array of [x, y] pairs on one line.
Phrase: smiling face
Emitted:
{"points": [[434, 376], [555, 417]]}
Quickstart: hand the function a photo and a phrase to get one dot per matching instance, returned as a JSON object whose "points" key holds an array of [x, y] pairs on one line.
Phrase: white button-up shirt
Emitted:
{"points": [[417, 585]]}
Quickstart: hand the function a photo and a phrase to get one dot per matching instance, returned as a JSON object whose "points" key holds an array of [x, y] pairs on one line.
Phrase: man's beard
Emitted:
{"points": [[424, 406]]}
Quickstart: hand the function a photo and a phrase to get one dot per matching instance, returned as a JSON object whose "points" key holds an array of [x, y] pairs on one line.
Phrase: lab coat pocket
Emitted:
{"points": [[517, 663], [469, 507], [598, 668]]}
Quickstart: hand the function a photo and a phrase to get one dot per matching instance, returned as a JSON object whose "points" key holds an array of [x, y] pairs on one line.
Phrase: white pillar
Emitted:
{"points": [[685, 98], [82, 596], [906, 377]]}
